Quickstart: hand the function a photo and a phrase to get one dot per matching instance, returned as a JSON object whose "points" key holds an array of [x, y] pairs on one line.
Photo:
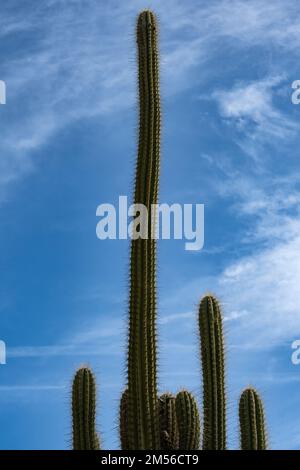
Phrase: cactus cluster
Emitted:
{"points": [[147, 420]]}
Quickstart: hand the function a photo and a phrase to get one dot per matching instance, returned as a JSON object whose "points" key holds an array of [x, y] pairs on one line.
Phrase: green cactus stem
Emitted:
{"points": [[143, 419], [212, 355], [124, 421], [252, 421], [169, 435], [188, 421], [84, 411]]}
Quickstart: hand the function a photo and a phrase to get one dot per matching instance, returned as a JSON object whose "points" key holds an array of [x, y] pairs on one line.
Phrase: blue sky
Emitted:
{"points": [[68, 143]]}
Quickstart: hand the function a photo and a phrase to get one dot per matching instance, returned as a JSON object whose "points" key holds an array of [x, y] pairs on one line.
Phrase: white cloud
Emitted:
{"points": [[250, 108], [257, 21], [253, 101], [78, 63], [266, 287], [260, 290]]}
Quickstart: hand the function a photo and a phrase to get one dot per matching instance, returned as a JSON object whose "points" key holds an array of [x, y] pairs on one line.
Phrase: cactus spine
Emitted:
{"points": [[212, 355], [252, 421], [143, 419], [188, 421], [83, 411], [168, 422]]}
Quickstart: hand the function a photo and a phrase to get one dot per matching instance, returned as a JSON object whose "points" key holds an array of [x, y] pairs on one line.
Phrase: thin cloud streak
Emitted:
{"points": [[30, 388]]}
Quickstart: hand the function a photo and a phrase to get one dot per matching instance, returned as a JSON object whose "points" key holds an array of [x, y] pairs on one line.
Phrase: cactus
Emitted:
{"points": [[143, 419], [169, 436], [251, 411], [83, 411], [252, 421], [212, 355], [188, 421], [146, 421]]}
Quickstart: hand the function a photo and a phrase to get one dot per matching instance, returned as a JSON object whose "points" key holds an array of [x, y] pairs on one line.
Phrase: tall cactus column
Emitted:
{"points": [[143, 417]]}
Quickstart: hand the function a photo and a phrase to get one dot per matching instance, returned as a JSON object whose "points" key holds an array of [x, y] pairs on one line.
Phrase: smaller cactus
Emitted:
{"points": [[84, 411], [188, 421], [252, 421], [169, 436], [213, 371]]}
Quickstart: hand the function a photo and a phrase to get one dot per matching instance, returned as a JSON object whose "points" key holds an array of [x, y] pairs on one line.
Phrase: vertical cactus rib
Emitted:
{"points": [[212, 355], [188, 421], [123, 427], [84, 411], [143, 420], [169, 436], [252, 421]]}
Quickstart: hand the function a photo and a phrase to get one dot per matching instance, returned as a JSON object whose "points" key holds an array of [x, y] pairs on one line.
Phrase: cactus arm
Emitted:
{"points": [[84, 411], [143, 420], [252, 421], [168, 422], [188, 421], [212, 355]]}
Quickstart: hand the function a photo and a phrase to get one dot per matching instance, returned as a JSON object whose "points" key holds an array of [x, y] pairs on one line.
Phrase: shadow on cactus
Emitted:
{"points": [[148, 421]]}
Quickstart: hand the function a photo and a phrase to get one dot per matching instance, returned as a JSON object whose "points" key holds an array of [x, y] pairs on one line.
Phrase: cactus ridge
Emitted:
{"points": [[83, 410], [143, 419], [123, 427], [213, 371], [188, 421], [252, 421], [169, 434]]}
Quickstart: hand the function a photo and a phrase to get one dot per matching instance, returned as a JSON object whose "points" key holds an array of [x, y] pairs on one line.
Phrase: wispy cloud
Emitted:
{"points": [[96, 339], [259, 284], [166, 319], [256, 21], [30, 388], [250, 107], [60, 351], [265, 285], [80, 67], [259, 289]]}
